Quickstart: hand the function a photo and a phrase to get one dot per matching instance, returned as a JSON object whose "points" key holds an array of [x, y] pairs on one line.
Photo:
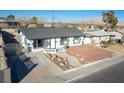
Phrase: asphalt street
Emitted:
{"points": [[112, 74]]}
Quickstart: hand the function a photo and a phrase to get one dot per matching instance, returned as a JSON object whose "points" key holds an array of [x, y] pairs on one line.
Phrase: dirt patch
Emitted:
{"points": [[89, 53], [117, 48]]}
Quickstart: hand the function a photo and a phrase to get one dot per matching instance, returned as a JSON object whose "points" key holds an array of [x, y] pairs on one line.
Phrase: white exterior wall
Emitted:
{"points": [[99, 39], [105, 38], [87, 40], [95, 40], [71, 41], [37, 49], [25, 42], [55, 43], [58, 43], [22, 40]]}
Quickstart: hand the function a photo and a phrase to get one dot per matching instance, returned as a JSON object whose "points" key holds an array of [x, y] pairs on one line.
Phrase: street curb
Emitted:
{"points": [[87, 65]]}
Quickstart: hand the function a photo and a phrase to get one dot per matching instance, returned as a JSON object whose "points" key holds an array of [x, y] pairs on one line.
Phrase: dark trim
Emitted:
{"points": [[55, 42]]}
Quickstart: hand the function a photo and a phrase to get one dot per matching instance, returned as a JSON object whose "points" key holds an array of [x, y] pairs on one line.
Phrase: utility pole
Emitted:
{"points": [[53, 19]]}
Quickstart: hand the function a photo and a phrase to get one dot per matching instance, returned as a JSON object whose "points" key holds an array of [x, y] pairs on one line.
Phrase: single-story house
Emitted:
{"points": [[5, 22], [49, 39], [96, 37]]}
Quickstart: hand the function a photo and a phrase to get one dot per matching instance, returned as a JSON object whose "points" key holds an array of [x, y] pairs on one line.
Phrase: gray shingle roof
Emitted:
{"points": [[49, 32]]}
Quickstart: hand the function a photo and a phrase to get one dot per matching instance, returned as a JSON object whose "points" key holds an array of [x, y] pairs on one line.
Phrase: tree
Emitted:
{"points": [[11, 17], [110, 20], [34, 20]]}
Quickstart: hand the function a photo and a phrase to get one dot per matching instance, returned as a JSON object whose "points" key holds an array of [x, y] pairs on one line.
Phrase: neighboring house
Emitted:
{"points": [[6, 22], [49, 39], [121, 31], [48, 25], [2, 19], [96, 37]]}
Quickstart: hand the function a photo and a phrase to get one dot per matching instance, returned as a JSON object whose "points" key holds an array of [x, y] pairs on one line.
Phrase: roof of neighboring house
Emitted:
{"points": [[122, 30], [101, 33], [5, 19], [49, 32]]}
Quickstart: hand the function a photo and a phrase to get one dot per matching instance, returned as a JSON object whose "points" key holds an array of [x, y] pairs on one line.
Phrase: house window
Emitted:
{"points": [[38, 43], [100, 38], [35, 44], [76, 40], [63, 41], [48, 42]]}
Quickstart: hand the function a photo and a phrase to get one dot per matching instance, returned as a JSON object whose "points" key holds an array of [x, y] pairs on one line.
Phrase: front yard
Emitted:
{"points": [[117, 48]]}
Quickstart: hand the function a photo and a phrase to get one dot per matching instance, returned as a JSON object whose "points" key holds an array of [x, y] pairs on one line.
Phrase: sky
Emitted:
{"points": [[61, 15]]}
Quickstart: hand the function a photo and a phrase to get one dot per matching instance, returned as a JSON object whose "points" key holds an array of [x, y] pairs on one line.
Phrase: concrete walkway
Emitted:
{"points": [[44, 72]]}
